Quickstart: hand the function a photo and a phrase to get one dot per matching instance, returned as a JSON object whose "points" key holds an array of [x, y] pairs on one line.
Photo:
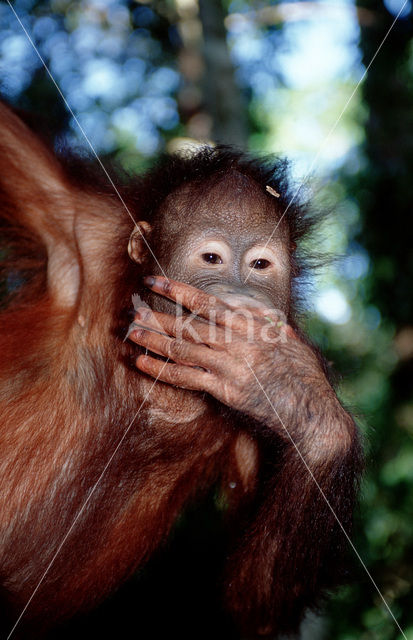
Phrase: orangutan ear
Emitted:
{"points": [[137, 247]]}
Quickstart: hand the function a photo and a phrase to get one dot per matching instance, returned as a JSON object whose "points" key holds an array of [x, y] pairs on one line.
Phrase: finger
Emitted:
{"points": [[180, 351], [202, 304], [189, 297], [187, 327], [145, 316], [176, 374]]}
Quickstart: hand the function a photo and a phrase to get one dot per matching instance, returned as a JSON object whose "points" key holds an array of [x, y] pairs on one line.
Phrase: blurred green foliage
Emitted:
{"points": [[381, 382]]}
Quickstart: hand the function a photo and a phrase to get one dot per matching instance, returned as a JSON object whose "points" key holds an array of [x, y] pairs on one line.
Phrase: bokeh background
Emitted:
{"points": [[272, 77]]}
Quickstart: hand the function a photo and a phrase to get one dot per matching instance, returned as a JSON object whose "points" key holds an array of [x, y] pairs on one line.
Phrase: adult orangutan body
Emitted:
{"points": [[241, 398]]}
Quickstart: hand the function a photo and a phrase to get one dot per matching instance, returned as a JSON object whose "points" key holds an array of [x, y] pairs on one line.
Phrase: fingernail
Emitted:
{"points": [[149, 281]]}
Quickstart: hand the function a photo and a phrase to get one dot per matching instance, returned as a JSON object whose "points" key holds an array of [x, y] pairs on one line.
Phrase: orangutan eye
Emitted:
{"points": [[261, 263], [212, 258]]}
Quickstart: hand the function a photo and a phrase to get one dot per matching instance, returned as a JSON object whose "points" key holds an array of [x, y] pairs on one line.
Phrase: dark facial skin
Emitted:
{"points": [[224, 244]]}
